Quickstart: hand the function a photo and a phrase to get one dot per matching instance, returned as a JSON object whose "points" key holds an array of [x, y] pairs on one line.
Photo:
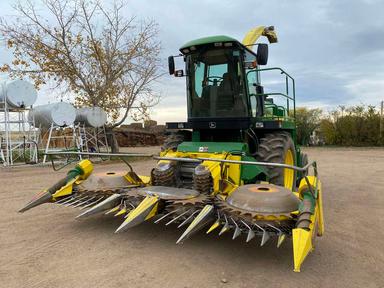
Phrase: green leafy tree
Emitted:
{"points": [[328, 131], [307, 121], [352, 126]]}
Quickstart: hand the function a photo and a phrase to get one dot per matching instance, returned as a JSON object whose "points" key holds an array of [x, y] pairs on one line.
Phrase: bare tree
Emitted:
{"points": [[91, 51]]}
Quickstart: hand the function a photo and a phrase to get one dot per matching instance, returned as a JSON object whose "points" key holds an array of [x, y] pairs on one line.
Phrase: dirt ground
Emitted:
{"points": [[47, 247]]}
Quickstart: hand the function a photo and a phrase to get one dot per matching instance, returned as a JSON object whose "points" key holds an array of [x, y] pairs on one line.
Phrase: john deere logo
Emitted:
{"points": [[212, 125]]}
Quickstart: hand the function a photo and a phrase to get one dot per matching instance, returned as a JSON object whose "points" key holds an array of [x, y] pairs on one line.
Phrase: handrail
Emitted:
{"points": [[293, 99], [67, 153], [268, 164], [99, 154], [305, 168], [278, 94], [273, 68], [195, 160]]}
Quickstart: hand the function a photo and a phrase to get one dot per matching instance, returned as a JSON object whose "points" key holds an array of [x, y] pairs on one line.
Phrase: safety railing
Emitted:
{"points": [[289, 85]]}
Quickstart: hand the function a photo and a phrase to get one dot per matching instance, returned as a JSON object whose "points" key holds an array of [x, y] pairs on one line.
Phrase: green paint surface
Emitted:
{"points": [[250, 173], [213, 147], [208, 40]]}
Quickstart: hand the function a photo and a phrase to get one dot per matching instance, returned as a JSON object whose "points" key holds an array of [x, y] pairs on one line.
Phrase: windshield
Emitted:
{"points": [[216, 86]]}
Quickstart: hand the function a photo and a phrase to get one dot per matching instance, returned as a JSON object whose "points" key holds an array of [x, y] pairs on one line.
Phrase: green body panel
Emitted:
{"points": [[75, 172], [208, 40], [286, 124], [289, 125], [249, 173], [195, 136], [213, 147], [274, 110], [308, 196]]}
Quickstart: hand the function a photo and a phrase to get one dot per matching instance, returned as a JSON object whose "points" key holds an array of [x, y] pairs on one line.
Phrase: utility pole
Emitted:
{"points": [[381, 119]]}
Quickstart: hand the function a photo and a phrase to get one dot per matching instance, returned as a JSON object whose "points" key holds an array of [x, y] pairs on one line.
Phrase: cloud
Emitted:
{"points": [[172, 114], [328, 46], [367, 91], [334, 49]]}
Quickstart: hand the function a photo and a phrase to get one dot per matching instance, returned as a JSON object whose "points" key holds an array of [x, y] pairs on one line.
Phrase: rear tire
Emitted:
{"points": [[304, 162], [278, 147]]}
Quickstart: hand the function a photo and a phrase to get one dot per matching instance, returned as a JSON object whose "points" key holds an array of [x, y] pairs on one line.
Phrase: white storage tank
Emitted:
{"points": [[18, 93], [58, 114], [91, 116]]}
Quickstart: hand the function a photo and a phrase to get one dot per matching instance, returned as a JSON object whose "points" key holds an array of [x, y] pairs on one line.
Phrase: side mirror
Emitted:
{"points": [[171, 65], [262, 54], [179, 73], [259, 89]]}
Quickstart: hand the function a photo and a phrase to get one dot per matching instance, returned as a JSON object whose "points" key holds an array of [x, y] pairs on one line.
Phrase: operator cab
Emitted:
{"points": [[218, 85], [224, 90]]}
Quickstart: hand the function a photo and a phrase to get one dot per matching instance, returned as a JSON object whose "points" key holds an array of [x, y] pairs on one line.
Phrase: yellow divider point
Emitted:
{"points": [[214, 226], [145, 210], [302, 245], [121, 212]]}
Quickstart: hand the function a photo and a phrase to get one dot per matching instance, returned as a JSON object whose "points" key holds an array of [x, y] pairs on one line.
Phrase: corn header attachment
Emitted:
{"points": [[233, 168], [210, 201]]}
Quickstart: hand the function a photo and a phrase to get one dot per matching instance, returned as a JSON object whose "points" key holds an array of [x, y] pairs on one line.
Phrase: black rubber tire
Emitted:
{"points": [[301, 175], [272, 148], [304, 161], [163, 177], [175, 138]]}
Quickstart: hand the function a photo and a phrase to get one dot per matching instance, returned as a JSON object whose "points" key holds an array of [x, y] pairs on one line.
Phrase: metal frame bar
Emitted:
{"points": [[312, 164], [193, 160], [201, 159], [267, 164], [15, 123], [71, 139], [99, 154], [68, 153]]}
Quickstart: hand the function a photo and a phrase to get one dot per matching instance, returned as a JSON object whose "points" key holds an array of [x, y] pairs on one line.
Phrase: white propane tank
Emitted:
{"points": [[58, 114], [91, 116], [17, 93]]}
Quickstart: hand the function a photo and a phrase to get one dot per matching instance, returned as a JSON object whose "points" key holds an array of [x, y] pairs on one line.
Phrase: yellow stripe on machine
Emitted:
{"points": [[214, 226], [66, 189], [255, 33], [144, 211], [121, 212]]}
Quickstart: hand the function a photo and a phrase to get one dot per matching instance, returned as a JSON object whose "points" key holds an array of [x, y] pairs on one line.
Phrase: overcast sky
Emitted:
{"points": [[334, 49]]}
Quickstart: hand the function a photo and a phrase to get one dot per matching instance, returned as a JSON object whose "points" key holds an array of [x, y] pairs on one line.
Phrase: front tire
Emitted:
{"points": [[278, 147], [304, 162]]}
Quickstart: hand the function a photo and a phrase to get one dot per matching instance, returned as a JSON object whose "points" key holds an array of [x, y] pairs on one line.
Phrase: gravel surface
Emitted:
{"points": [[47, 247]]}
